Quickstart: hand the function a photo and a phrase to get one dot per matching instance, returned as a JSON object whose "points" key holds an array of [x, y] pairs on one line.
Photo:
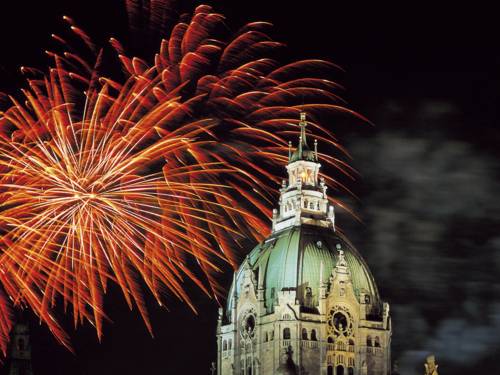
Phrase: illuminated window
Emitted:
{"points": [[351, 345]]}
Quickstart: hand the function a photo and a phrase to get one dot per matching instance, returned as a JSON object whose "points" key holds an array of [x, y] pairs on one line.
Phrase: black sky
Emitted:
{"points": [[426, 75]]}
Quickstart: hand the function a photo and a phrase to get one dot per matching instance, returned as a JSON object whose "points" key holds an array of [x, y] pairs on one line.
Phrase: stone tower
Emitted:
{"points": [[304, 301], [20, 350]]}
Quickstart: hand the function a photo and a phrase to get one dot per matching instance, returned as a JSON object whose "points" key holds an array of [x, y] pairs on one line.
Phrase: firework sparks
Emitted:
{"points": [[105, 181]]}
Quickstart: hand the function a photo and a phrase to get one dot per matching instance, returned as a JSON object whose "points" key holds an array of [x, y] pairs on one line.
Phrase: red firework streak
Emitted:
{"points": [[150, 180]]}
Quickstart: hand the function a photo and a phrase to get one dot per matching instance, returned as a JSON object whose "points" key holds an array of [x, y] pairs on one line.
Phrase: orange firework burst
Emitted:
{"points": [[107, 181]]}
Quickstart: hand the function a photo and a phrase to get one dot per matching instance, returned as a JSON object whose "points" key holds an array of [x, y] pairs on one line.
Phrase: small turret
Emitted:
{"points": [[431, 367], [20, 349]]}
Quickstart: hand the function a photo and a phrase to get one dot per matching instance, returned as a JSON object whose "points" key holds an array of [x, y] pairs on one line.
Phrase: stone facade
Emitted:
{"points": [[287, 313]]}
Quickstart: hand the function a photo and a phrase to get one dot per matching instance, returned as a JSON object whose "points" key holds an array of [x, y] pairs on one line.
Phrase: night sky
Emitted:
{"points": [[428, 77]]}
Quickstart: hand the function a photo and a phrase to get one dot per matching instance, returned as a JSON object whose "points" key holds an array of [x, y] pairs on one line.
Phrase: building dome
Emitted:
{"points": [[304, 301], [299, 258]]}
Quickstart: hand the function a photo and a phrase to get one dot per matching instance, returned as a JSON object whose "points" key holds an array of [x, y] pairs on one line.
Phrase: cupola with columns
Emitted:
{"points": [[303, 197]]}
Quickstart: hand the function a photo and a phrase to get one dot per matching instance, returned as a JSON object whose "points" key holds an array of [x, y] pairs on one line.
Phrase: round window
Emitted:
{"points": [[339, 321], [250, 324]]}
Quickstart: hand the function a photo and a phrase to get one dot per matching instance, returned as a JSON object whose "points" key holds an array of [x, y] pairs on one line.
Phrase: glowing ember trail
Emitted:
{"points": [[137, 181]]}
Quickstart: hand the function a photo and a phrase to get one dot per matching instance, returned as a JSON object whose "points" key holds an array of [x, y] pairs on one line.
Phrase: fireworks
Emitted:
{"points": [[135, 181]]}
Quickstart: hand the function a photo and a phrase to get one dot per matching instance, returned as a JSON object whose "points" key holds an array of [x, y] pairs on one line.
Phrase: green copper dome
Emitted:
{"points": [[292, 258]]}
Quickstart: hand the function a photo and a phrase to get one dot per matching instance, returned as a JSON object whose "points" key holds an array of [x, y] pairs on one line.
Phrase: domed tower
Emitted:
{"points": [[304, 301]]}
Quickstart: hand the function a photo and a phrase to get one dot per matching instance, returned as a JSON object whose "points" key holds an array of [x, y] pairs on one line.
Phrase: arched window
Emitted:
{"points": [[286, 333], [272, 335], [230, 344], [311, 205], [266, 338], [340, 370], [350, 371], [377, 341], [330, 370], [313, 335], [369, 341], [330, 340], [224, 345], [304, 334]]}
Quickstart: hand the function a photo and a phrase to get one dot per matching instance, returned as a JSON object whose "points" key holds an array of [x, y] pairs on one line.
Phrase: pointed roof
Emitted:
{"points": [[303, 151]]}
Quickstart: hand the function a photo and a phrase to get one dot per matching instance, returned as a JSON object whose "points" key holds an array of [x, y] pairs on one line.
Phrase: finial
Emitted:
{"points": [[289, 150], [339, 249], [316, 149], [341, 262], [235, 293], [302, 124]]}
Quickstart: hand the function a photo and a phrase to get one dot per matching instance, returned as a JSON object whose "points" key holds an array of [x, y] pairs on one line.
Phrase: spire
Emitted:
{"points": [[302, 124], [303, 152], [321, 273]]}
